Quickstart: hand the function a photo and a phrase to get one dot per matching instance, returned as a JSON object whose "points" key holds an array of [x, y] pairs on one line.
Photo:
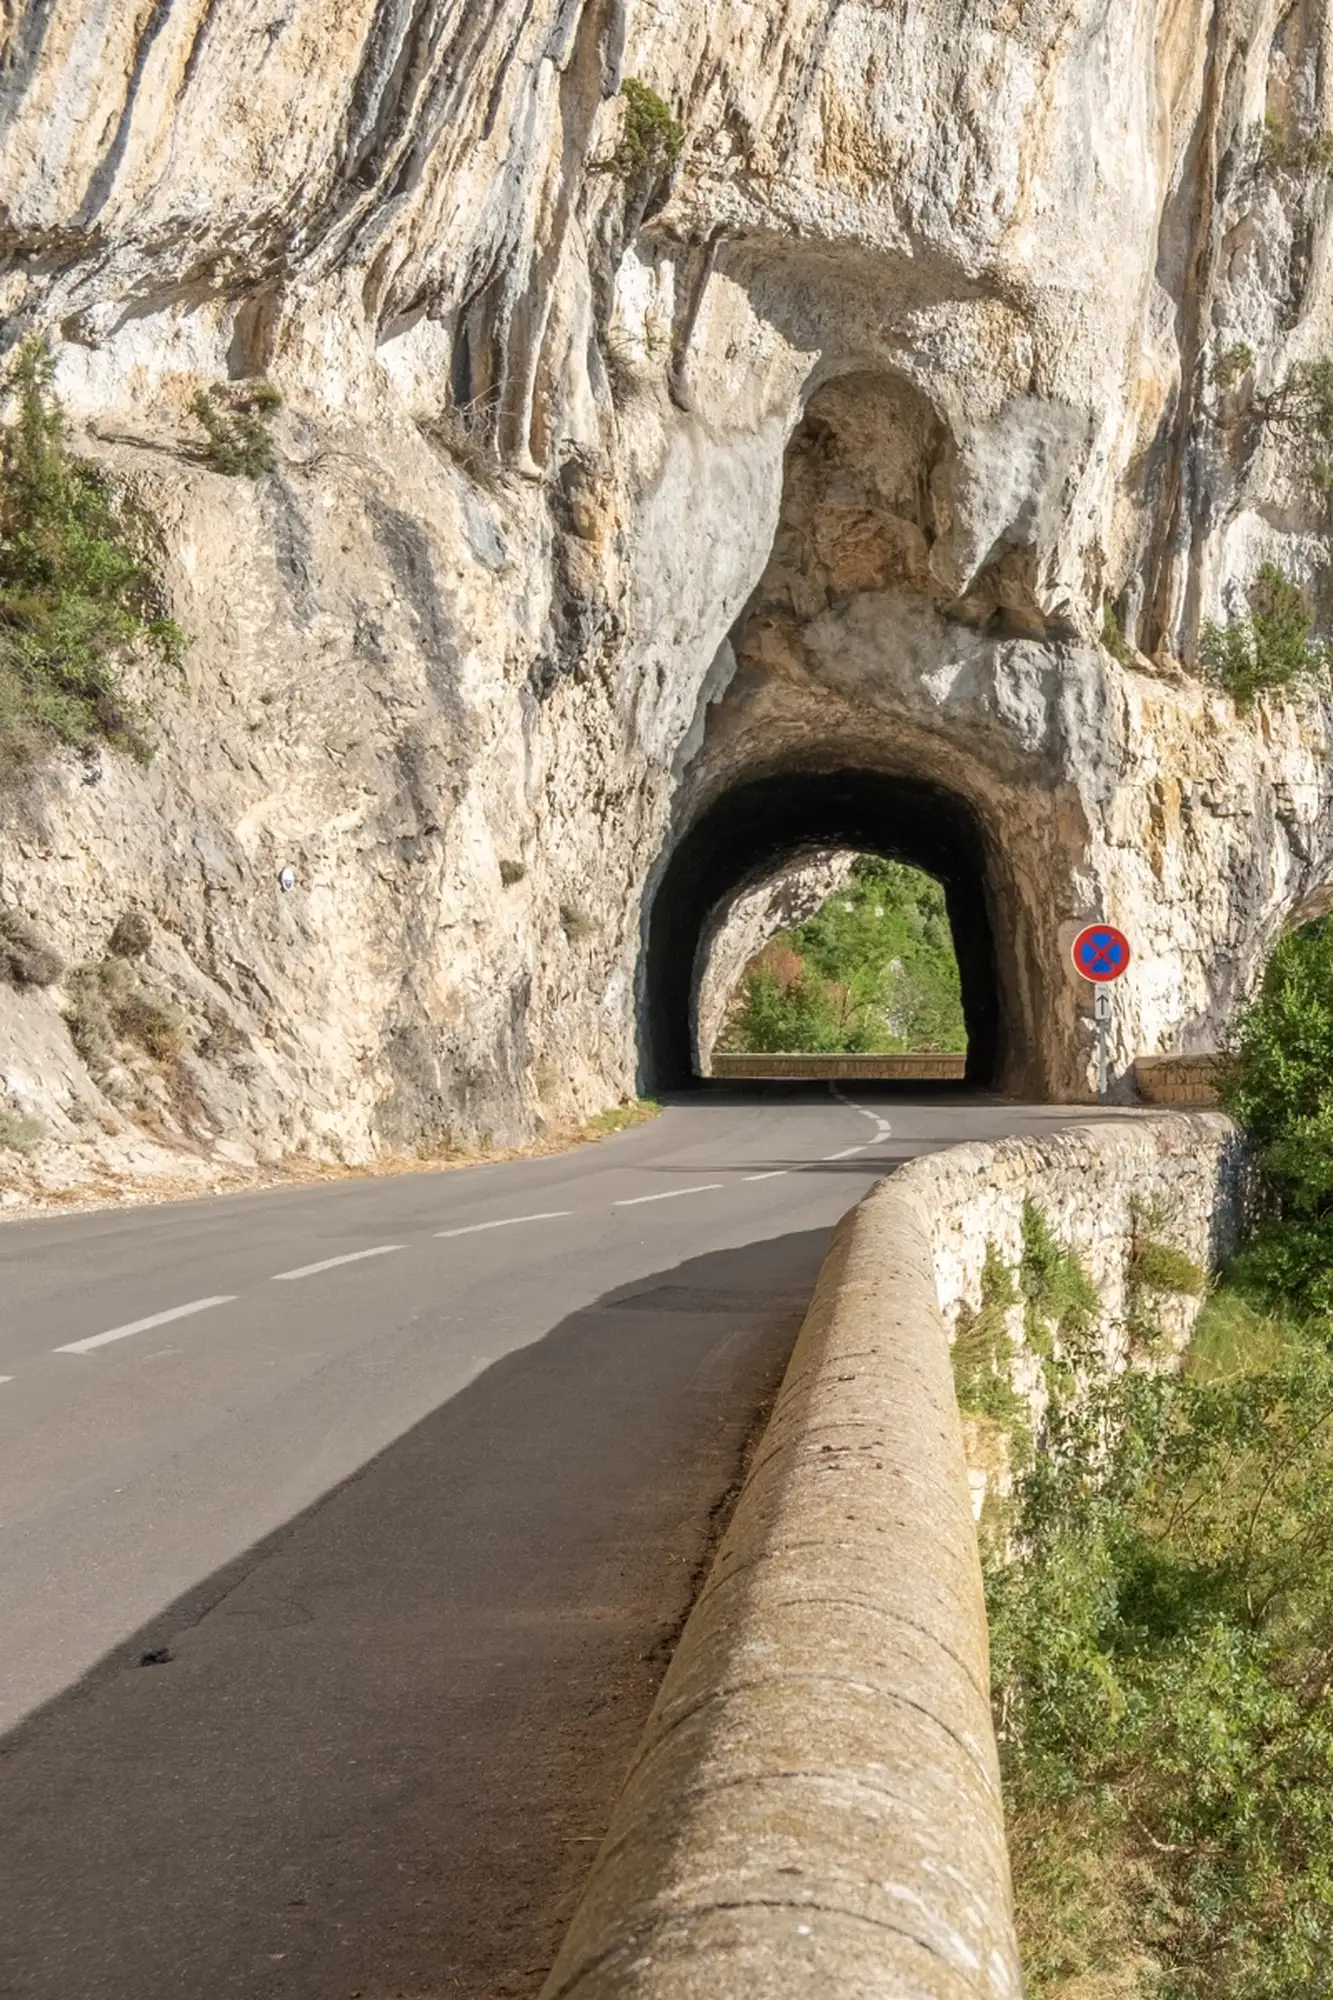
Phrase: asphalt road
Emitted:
{"points": [[345, 1531]]}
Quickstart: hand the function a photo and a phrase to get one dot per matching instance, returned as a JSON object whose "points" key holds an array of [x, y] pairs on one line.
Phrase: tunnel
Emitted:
{"points": [[757, 825]]}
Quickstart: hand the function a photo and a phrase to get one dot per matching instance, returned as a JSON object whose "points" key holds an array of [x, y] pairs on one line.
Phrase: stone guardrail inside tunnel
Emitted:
{"points": [[919, 1068], [814, 1807]]}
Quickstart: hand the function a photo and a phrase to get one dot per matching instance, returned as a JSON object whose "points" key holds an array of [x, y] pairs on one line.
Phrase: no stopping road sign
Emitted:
{"points": [[1100, 953]]}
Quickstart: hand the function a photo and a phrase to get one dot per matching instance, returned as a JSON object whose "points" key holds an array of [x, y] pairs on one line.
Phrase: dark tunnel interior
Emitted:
{"points": [[760, 824]]}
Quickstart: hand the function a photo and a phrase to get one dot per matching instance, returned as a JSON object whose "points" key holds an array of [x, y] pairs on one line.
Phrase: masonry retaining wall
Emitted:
{"points": [[814, 1808]]}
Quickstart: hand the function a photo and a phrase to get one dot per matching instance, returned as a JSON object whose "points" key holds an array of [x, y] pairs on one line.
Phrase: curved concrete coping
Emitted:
{"points": [[814, 1808]]}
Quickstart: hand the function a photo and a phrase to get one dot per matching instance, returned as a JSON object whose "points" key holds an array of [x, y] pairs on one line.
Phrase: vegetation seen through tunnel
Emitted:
{"points": [[873, 971]]}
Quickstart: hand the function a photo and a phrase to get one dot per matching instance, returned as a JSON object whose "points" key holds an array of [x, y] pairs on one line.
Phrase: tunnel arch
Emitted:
{"points": [[757, 825]]}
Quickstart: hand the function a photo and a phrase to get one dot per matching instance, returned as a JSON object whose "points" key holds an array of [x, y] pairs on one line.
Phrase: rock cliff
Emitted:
{"points": [[804, 407]]}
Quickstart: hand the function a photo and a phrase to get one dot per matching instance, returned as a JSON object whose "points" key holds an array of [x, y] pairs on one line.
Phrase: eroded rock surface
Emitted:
{"points": [[604, 482]]}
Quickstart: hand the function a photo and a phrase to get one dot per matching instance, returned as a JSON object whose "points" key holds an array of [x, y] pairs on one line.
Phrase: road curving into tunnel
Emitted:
{"points": [[346, 1532]]}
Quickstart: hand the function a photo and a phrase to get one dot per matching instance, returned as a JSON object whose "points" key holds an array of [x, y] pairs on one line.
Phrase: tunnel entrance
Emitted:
{"points": [[752, 830]]}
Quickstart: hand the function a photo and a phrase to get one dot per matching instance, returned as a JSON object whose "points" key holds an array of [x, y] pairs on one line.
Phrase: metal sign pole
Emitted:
{"points": [[1102, 954], [1102, 1008]]}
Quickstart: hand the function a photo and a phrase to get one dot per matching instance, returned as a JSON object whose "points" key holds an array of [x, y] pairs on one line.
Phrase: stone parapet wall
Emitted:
{"points": [[919, 1068], [1178, 1079], [815, 1805], [1090, 1182]]}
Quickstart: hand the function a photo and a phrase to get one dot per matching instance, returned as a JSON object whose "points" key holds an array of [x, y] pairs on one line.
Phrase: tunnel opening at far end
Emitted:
{"points": [[757, 828]]}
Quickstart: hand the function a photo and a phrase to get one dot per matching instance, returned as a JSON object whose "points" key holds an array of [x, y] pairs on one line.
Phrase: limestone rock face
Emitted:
{"points": [[607, 479]]}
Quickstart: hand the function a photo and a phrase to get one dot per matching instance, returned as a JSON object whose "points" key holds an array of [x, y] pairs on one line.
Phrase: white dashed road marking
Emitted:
{"points": [[882, 1130], [882, 1126], [330, 1263], [142, 1325], [705, 1187], [547, 1215]]}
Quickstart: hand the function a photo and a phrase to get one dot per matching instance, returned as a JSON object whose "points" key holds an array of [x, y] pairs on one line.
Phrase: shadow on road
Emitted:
{"points": [[374, 1756]]}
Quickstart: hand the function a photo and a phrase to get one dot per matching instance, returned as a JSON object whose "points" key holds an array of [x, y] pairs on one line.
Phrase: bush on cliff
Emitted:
{"points": [[1270, 648], [1280, 1089], [78, 588], [237, 439]]}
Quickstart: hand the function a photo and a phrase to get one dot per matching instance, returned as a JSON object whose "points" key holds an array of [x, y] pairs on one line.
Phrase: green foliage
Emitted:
{"points": [[983, 1351], [1232, 365], [1270, 648], [1162, 1658], [1280, 1089], [1113, 637], [78, 587], [1160, 1267], [784, 1010], [1302, 409], [1060, 1302], [872, 971], [651, 140], [1234, 1337], [237, 439]]}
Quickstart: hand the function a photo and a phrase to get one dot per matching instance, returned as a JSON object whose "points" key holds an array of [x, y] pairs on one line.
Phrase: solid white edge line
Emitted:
{"points": [[633, 1201], [6, 1378], [846, 1152], [142, 1325], [507, 1222], [774, 1174], [330, 1263]]}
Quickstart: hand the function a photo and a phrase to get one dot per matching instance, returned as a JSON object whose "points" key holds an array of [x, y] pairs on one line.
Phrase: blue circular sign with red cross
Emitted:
{"points": [[1100, 953]]}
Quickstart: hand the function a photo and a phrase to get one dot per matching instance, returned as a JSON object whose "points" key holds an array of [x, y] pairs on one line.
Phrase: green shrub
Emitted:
{"points": [[983, 1354], [1279, 1087], [651, 140], [785, 1011], [1232, 365], [237, 439], [1271, 647], [1113, 638], [78, 586], [873, 969], [1302, 410], [1060, 1303], [1163, 1685], [1160, 1267]]}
